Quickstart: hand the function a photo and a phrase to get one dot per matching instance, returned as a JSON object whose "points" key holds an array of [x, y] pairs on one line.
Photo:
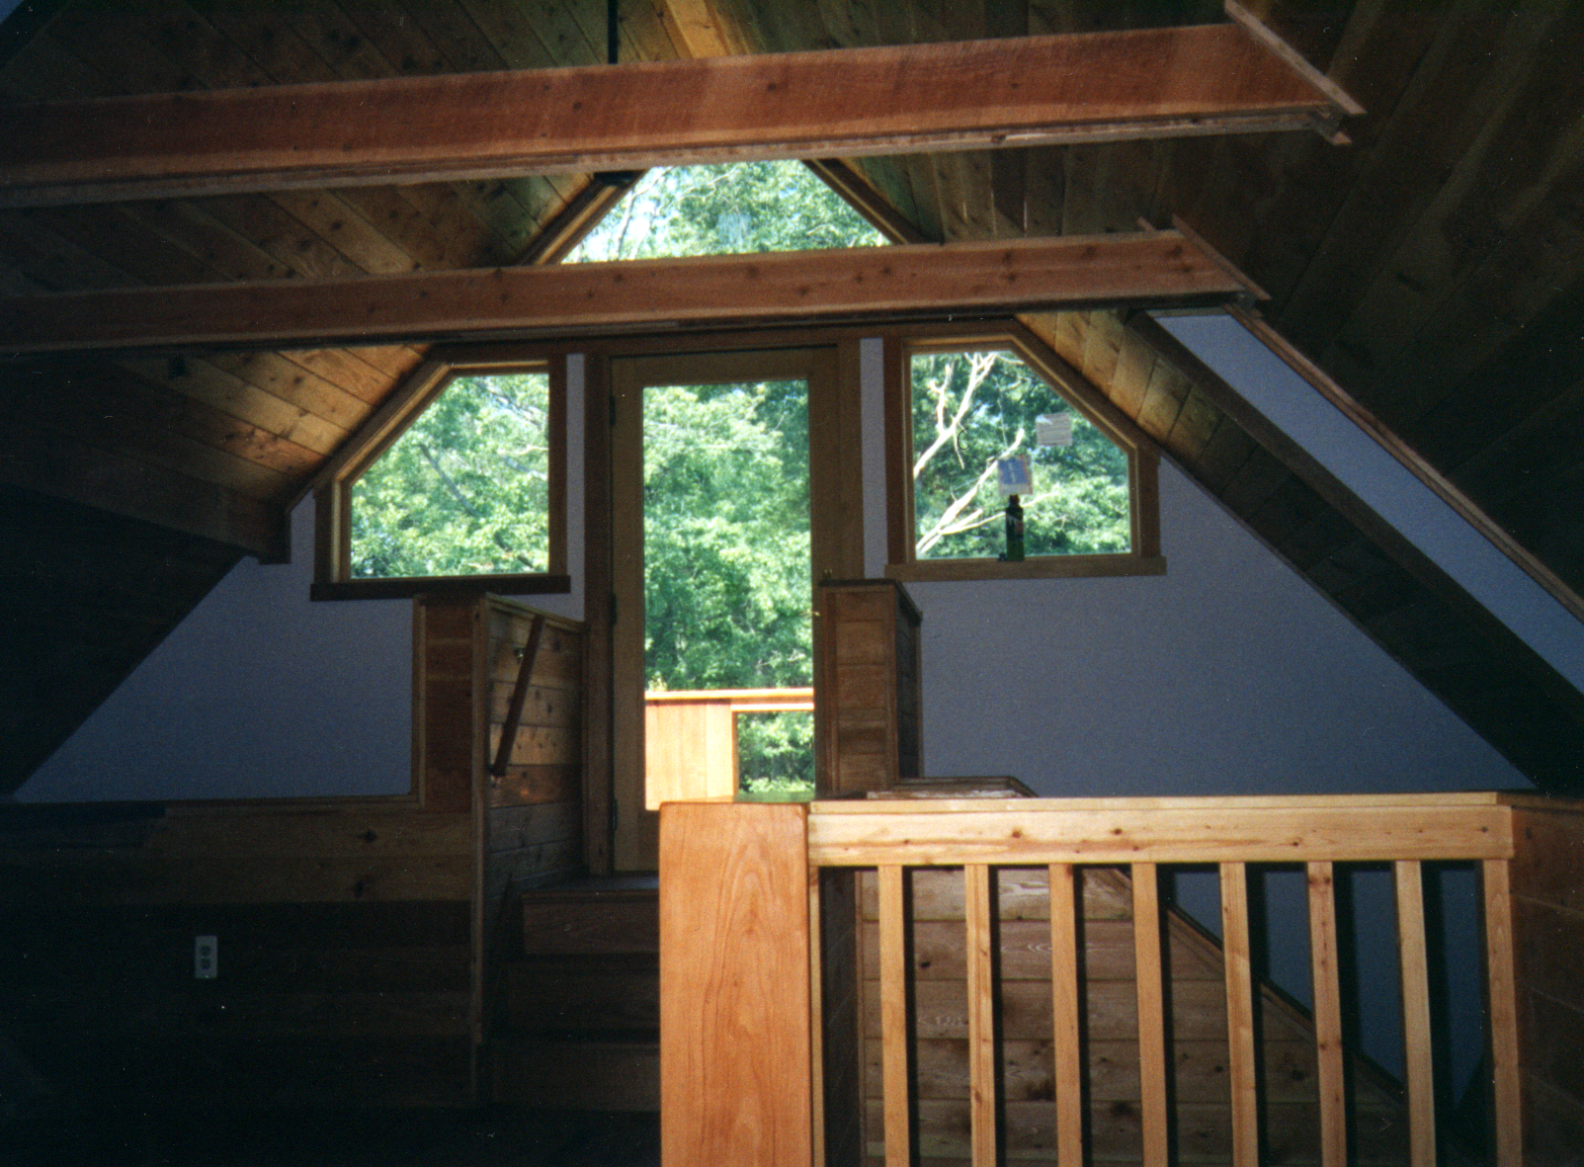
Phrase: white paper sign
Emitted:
{"points": [[1053, 429]]}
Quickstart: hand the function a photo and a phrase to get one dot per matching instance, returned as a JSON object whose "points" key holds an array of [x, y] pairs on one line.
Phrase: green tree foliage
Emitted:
{"points": [[972, 408], [726, 536], [465, 490], [726, 554], [725, 474], [726, 209]]}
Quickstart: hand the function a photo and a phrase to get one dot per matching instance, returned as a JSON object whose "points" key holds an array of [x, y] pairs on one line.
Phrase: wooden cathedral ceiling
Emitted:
{"points": [[1434, 267]]}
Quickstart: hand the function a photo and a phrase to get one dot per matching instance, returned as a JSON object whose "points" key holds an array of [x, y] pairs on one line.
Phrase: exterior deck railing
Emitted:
{"points": [[750, 978], [690, 738]]}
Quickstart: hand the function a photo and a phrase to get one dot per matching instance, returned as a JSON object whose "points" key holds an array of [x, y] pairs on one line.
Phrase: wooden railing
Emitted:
{"points": [[741, 945], [690, 738]]}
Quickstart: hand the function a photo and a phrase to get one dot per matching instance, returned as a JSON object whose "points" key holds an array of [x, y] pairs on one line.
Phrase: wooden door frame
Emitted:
{"points": [[831, 366]]}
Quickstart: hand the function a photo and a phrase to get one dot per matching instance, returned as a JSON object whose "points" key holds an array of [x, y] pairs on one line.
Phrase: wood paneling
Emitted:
{"points": [[344, 958], [869, 731], [99, 592], [1548, 909]]}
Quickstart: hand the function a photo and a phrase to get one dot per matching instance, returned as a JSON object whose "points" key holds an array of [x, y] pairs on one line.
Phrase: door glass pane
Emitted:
{"points": [[727, 573]]}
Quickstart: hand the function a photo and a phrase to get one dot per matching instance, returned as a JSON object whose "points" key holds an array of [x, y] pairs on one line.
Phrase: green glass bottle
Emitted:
{"points": [[1014, 530]]}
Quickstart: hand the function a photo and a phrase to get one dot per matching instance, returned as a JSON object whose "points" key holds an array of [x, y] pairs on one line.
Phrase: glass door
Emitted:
{"points": [[714, 561]]}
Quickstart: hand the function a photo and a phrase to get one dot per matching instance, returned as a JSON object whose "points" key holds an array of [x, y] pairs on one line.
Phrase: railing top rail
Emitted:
{"points": [[1348, 828], [737, 697]]}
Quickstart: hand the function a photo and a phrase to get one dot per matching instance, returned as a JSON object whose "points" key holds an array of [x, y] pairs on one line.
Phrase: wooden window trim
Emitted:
{"points": [[333, 489], [1142, 453]]}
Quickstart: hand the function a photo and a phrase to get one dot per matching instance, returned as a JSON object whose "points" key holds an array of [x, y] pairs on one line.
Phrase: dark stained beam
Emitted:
{"points": [[1022, 91], [1156, 268]]}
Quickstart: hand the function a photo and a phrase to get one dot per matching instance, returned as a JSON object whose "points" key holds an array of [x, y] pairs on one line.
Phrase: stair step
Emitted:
{"points": [[577, 1075], [592, 918], [582, 995]]}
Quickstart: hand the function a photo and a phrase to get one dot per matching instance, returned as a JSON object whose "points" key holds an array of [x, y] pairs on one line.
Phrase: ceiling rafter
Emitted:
{"points": [[1146, 268], [1172, 82]]}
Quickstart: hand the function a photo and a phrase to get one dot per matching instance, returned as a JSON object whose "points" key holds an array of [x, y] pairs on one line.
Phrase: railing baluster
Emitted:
{"points": [[977, 885], [1327, 1015], [1151, 1012], [895, 1018], [1419, 1075], [1065, 1015], [1240, 1014], [1502, 1009]]}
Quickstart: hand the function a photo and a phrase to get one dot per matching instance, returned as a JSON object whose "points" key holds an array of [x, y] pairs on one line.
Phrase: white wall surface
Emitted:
{"points": [[258, 693], [1227, 675]]}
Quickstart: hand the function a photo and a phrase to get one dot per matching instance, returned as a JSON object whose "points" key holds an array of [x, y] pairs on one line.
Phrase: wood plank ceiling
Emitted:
{"points": [[1434, 268]]}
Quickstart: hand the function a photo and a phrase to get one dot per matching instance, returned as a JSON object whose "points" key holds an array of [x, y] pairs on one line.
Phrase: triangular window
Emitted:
{"points": [[725, 209]]}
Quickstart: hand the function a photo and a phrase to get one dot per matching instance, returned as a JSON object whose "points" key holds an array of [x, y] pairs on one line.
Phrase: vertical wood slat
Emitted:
{"points": [[1419, 1073], [1065, 1009], [1327, 1014], [895, 1013], [977, 889], [1501, 988], [817, 1014], [1151, 1012], [1236, 948]]}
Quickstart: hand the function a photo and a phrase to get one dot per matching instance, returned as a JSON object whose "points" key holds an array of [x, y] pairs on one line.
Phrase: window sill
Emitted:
{"points": [[406, 587], [1040, 567]]}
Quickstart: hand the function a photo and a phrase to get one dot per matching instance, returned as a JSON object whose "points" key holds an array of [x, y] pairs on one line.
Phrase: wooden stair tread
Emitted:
{"points": [[577, 1075], [592, 918]]}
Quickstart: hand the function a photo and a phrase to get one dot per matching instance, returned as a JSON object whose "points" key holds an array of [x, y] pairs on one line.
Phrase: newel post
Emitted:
{"points": [[736, 1051]]}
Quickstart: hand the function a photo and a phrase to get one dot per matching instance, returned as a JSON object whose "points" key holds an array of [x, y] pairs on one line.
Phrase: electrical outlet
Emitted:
{"points": [[206, 957]]}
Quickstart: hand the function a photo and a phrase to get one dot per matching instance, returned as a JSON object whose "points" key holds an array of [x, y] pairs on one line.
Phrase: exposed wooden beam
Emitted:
{"points": [[1205, 79], [696, 27], [1157, 268]]}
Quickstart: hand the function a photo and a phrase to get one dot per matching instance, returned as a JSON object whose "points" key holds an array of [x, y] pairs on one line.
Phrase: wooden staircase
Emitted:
{"points": [[579, 1020]]}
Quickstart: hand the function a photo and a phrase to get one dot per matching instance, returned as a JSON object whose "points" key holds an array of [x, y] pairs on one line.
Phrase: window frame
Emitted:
{"points": [[1143, 458], [332, 490]]}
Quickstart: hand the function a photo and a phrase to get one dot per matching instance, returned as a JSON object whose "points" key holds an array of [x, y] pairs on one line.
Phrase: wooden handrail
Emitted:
{"points": [[519, 698], [1140, 834]]}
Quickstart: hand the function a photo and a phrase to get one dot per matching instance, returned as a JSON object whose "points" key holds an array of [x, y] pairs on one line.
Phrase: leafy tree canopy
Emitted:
{"points": [[726, 209], [465, 490], [726, 536]]}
